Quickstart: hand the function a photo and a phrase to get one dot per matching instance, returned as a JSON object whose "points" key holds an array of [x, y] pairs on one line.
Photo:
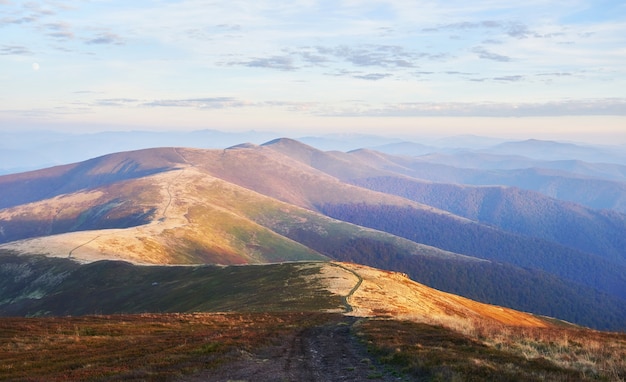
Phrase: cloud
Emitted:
{"points": [[284, 63], [105, 38], [217, 31], [38, 9], [60, 30], [584, 107], [17, 20], [511, 28], [385, 56], [336, 57], [487, 55], [509, 78], [312, 57], [204, 103], [556, 74], [117, 102], [26, 13], [229, 27], [373, 76], [200, 103], [17, 50]]}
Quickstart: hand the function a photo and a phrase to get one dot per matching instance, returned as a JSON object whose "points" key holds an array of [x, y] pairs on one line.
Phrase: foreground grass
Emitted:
{"points": [[166, 347], [146, 347], [491, 352]]}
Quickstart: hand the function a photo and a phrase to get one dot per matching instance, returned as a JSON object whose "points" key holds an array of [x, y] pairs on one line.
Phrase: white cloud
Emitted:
{"points": [[585, 107]]}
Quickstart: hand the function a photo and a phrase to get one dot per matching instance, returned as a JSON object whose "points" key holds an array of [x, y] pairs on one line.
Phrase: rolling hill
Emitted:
{"points": [[305, 320]]}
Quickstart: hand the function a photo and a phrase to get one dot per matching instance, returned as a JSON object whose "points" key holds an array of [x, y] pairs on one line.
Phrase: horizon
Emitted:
{"points": [[541, 69], [419, 138]]}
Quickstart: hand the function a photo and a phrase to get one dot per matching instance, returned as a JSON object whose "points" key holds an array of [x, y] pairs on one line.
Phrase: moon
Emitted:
{"points": [[35, 66]]}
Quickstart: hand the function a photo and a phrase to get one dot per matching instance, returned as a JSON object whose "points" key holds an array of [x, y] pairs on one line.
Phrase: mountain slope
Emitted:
{"points": [[274, 321], [551, 249], [519, 211], [186, 220], [109, 287]]}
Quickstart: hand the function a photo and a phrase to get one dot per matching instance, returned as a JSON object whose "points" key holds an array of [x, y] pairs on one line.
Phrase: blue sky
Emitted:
{"points": [[542, 69]]}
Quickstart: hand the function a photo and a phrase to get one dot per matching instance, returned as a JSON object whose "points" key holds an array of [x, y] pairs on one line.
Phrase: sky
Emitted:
{"points": [[532, 69]]}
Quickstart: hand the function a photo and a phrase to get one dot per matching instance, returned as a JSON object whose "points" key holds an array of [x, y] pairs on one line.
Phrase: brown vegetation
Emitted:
{"points": [[136, 347], [297, 346]]}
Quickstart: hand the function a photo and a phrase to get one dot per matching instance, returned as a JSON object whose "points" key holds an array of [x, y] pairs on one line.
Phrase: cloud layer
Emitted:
{"points": [[312, 59]]}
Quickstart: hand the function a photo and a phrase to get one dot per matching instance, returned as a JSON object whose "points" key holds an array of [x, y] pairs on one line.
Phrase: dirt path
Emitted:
{"points": [[346, 299], [324, 353]]}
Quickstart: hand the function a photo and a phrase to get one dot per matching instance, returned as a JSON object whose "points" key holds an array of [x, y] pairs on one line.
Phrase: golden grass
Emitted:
{"points": [[496, 352]]}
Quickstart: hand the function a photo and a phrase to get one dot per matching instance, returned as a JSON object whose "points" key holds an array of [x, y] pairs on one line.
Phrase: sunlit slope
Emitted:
{"points": [[277, 175], [392, 294], [187, 217], [32, 284], [178, 217]]}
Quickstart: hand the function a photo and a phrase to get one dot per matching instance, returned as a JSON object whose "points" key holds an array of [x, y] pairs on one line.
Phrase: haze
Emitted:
{"points": [[533, 69]]}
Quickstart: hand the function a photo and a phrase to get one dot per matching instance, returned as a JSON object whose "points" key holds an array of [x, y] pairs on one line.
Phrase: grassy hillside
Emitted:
{"points": [[272, 321], [35, 286]]}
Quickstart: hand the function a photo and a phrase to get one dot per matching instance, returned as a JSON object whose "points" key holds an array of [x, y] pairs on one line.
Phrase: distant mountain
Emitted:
{"points": [[467, 142], [405, 148], [520, 211], [593, 191], [474, 160], [285, 201], [30, 150], [551, 150]]}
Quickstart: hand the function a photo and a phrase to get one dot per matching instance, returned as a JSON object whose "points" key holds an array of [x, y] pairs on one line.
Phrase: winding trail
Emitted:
{"points": [[346, 298], [326, 352], [69, 256], [164, 213]]}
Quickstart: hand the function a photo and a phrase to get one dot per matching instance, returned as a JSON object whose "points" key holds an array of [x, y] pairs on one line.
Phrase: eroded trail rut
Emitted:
{"points": [[328, 352]]}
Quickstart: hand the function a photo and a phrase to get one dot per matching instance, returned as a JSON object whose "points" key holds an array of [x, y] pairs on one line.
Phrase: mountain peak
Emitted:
{"points": [[292, 148], [289, 142], [246, 145]]}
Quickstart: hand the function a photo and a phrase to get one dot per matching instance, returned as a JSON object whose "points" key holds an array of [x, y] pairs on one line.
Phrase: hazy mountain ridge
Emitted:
{"points": [[592, 191], [519, 211]]}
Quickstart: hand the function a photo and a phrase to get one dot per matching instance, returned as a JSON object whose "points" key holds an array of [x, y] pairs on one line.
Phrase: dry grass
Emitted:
{"points": [[518, 338], [422, 332], [146, 347], [496, 353], [593, 353]]}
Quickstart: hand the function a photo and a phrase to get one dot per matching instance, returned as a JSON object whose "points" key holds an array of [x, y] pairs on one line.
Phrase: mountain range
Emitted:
{"points": [[287, 201]]}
